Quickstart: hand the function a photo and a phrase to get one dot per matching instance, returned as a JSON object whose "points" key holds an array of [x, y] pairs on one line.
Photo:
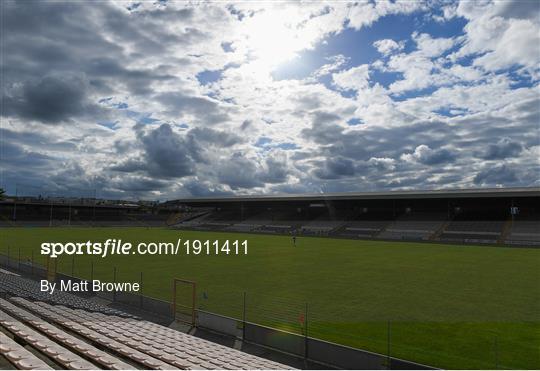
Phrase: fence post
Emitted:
{"points": [[114, 282], [388, 358], [306, 333], [140, 290], [244, 318], [496, 340]]}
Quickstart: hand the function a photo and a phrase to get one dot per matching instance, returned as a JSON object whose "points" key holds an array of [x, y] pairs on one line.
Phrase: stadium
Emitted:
{"points": [[269, 185], [435, 279]]}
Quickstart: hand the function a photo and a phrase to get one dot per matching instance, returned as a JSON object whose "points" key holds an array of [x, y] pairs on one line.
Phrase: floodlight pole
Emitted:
{"points": [[94, 209], [15, 206], [50, 216]]}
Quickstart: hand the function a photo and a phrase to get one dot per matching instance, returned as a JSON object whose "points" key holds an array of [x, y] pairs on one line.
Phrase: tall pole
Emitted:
{"points": [[94, 211], [50, 216], [15, 206], [69, 217]]}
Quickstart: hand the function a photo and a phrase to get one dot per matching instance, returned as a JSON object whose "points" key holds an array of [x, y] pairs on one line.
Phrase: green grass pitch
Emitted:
{"points": [[448, 306]]}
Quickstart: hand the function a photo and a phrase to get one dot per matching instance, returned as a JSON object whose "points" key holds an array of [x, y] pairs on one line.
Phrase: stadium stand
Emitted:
{"points": [[18, 286], [57, 353], [19, 356], [524, 229], [130, 343], [457, 216], [475, 226], [69, 342], [414, 225], [76, 333]]}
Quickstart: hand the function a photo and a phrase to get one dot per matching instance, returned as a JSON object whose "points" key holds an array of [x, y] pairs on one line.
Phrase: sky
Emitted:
{"points": [[162, 100]]}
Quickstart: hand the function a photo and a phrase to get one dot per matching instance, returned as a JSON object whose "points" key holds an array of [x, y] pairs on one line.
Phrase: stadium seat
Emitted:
{"points": [[148, 343], [20, 357]]}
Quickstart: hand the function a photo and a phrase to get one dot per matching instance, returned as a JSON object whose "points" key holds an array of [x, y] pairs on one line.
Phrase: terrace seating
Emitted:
{"points": [[464, 237], [322, 225], [525, 230], [475, 226], [363, 228], [19, 356], [18, 286], [417, 225], [66, 340], [145, 343], [46, 346], [241, 227]]}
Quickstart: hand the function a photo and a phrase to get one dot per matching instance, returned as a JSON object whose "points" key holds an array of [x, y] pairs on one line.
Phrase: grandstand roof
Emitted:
{"points": [[421, 194]]}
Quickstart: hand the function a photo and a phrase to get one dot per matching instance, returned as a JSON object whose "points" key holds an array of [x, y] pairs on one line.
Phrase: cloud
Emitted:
{"points": [[504, 148], [51, 100], [387, 46], [335, 168], [444, 104], [215, 137], [425, 155], [504, 33], [364, 14], [496, 176], [166, 154], [356, 78], [239, 172]]}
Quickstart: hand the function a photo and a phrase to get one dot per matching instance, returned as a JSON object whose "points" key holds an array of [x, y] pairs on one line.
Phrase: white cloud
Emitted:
{"points": [[387, 46], [365, 14], [356, 78]]}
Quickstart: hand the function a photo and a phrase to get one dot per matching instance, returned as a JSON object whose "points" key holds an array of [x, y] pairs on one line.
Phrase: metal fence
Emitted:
{"points": [[294, 326]]}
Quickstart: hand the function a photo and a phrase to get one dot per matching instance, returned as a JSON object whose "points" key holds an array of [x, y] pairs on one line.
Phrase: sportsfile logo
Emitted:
{"points": [[119, 247]]}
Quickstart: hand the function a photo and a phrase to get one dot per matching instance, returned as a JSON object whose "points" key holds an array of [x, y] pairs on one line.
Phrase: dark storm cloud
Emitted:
{"points": [[335, 168], [239, 172], [168, 154], [276, 171], [51, 100], [497, 175], [165, 154], [15, 156], [36, 140], [437, 157], [502, 149], [138, 81]]}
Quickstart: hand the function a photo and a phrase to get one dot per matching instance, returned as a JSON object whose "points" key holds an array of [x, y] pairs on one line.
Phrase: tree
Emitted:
{"points": [[2, 193]]}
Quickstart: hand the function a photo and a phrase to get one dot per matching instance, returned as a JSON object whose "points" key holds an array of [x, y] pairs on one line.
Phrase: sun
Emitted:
{"points": [[272, 38]]}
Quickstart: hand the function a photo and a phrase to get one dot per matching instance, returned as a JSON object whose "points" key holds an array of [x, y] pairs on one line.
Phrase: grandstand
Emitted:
{"points": [[459, 216], [61, 213], [64, 331]]}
